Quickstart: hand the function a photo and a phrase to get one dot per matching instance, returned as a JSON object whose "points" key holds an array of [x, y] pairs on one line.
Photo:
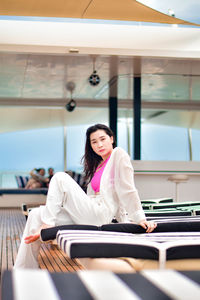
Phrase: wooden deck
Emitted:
{"points": [[12, 223]]}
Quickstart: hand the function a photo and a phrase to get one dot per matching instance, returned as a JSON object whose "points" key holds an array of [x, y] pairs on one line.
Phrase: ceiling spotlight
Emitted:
{"points": [[94, 78], [71, 105]]}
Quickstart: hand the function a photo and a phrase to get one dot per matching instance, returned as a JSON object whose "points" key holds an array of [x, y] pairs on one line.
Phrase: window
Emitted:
{"points": [[22, 151], [164, 143], [195, 144]]}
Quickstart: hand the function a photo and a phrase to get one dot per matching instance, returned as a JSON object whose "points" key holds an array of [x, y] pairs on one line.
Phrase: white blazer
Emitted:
{"points": [[118, 190]]}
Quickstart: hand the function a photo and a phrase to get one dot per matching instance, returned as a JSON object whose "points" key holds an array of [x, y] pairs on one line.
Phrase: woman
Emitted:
{"points": [[111, 194]]}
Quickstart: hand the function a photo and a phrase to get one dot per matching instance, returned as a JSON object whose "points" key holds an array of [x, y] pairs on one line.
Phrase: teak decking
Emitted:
{"points": [[12, 223]]}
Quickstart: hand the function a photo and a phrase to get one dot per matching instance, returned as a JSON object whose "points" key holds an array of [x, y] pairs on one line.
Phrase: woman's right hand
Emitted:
{"points": [[149, 226]]}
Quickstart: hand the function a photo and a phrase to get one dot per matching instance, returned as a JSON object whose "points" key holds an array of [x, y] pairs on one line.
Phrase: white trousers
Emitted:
{"points": [[66, 203]]}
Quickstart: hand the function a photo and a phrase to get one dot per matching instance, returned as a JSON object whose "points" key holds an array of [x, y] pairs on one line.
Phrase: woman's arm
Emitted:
{"points": [[127, 193], [124, 186]]}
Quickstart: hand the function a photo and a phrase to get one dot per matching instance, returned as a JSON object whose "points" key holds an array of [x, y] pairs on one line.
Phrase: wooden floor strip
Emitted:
{"points": [[12, 223]]}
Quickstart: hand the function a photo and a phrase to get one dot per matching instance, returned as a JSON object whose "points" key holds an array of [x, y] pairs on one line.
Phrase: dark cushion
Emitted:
{"points": [[191, 225], [23, 191], [112, 250], [161, 227], [167, 213], [49, 234]]}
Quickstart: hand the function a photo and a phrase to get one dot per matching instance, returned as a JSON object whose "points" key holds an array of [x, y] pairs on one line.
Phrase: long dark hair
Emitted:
{"points": [[90, 159]]}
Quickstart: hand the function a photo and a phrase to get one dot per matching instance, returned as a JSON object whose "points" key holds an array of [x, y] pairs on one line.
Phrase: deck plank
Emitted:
{"points": [[1, 241], [9, 245], [4, 241]]}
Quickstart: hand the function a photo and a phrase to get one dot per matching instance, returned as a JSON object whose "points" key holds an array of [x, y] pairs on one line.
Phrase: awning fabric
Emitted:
{"points": [[124, 10]]}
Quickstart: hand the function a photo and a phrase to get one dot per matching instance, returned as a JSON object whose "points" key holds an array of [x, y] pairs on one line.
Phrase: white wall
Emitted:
{"points": [[151, 179]]}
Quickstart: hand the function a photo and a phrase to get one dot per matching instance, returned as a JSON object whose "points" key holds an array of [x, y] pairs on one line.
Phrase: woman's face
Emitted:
{"points": [[101, 143]]}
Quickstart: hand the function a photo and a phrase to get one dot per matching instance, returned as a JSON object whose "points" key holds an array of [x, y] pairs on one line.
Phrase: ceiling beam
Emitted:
{"points": [[122, 103]]}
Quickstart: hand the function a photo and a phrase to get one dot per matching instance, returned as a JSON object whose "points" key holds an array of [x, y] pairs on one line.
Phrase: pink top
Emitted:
{"points": [[96, 179]]}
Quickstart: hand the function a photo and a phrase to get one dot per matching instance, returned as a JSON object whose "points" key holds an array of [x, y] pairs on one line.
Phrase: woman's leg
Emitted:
{"points": [[66, 203], [27, 256], [76, 205]]}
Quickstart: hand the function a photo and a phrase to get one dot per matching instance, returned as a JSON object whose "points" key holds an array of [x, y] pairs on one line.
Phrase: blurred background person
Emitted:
{"points": [[50, 173], [37, 180]]}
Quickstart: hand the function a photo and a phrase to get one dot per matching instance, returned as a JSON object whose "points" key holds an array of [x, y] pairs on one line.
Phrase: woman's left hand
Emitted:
{"points": [[148, 225]]}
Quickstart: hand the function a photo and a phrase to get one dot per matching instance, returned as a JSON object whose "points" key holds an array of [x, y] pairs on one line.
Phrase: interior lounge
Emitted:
{"points": [[133, 67]]}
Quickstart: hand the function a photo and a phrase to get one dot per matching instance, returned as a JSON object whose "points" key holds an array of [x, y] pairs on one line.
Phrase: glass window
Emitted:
{"points": [[195, 144], [76, 146], [165, 88], [161, 142], [125, 135], [25, 150], [122, 133]]}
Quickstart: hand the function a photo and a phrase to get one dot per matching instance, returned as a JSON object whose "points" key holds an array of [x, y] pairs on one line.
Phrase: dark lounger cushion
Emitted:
{"points": [[187, 225], [49, 234], [113, 250], [23, 191], [171, 213]]}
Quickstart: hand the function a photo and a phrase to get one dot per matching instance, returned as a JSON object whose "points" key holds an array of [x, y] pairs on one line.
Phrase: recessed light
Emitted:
{"points": [[73, 50]]}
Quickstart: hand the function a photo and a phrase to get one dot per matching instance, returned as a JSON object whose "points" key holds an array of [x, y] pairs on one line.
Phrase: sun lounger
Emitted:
{"points": [[172, 205], [181, 236], [155, 246], [101, 285], [157, 200]]}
